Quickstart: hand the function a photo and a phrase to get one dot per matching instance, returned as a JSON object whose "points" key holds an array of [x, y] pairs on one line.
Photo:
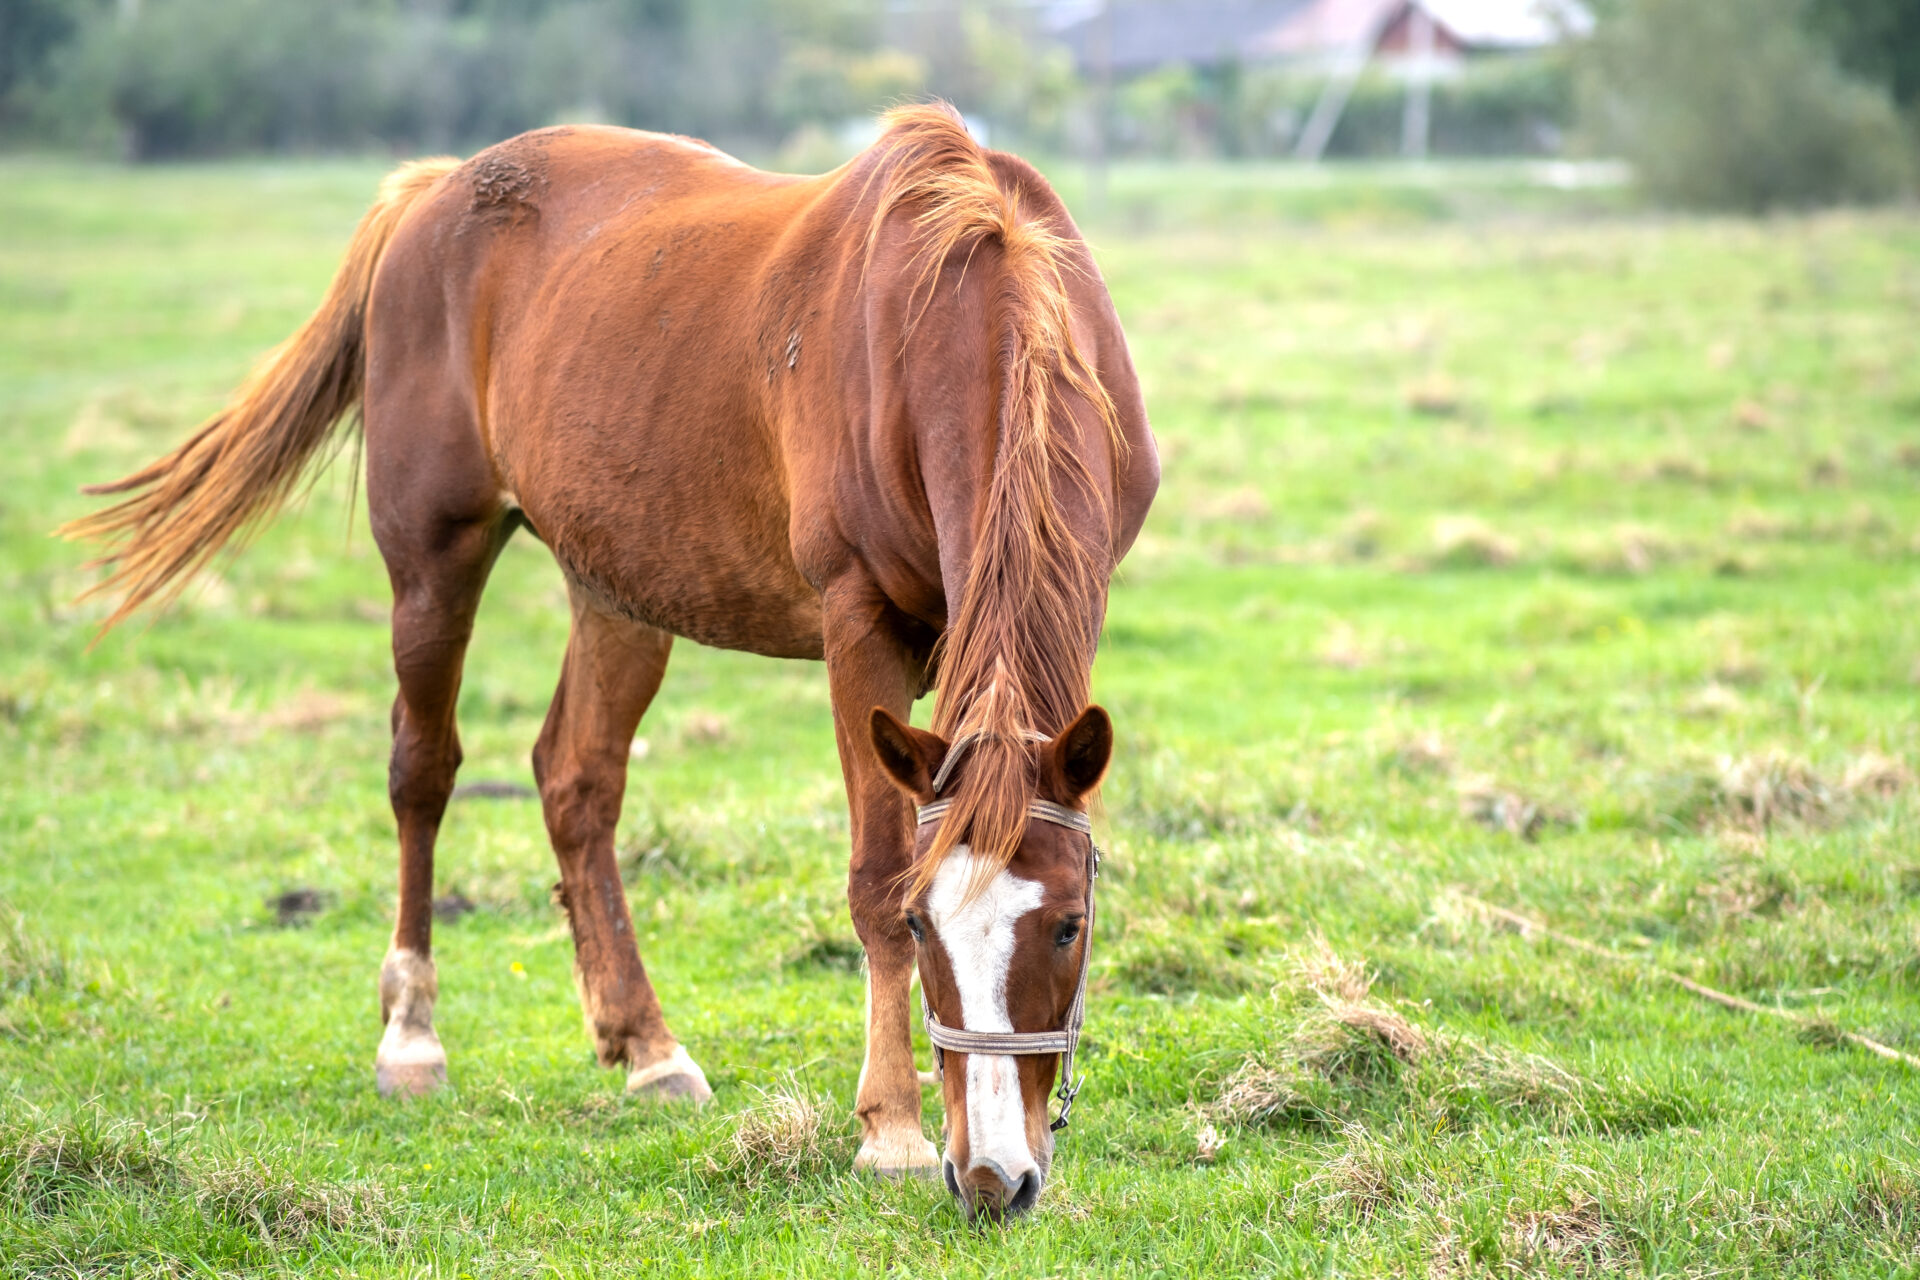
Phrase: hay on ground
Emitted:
{"points": [[786, 1135]]}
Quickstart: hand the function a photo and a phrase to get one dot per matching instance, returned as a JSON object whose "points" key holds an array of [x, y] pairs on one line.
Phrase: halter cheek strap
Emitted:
{"points": [[1025, 1043]]}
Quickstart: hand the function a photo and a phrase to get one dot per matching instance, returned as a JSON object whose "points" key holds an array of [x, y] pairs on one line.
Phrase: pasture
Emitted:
{"points": [[1570, 564]]}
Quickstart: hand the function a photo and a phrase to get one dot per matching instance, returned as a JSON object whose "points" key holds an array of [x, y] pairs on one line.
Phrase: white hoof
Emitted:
{"points": [[675, 1078], [410, 1063], [901, 1156]]}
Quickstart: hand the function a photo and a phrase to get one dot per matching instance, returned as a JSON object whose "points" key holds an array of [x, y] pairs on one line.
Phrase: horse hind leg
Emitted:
{"points": [[438, 573], [612, 670]]}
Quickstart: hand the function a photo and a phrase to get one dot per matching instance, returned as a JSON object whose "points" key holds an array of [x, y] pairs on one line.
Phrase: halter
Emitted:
{"points": [[1021, 1043]]}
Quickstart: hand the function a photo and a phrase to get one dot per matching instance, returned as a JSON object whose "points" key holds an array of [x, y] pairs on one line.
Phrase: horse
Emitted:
{"points": [[883, 417]]}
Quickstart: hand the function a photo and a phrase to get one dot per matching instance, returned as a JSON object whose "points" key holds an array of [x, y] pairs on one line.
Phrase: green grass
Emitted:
{"points": [[1505, 554]]}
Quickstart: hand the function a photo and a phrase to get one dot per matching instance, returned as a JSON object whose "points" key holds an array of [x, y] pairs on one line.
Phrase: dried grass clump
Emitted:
{"points": [[1342, 647], [1358, 1180], [1755, 793], [1468, 542], [51, 1169], [1681, 468], [1827, 470], [1712, 701], [1872, 774], [1345, 1035], [1752, 417], [1323, 971], [785, 1136], [1887, 1202], [1355, 1040], [1207, 1144], [1511, 1081], [1762, 790], [1424, 753], [284, 1211], [1434, 396], [1624, 550], [1347, 1055], [308, 711], [1499, 808], [47, 1170], [1746, 889], [1243, 505], [1577, 1237], [1362, 534], [1346, 1040], [1257, 1094], [1455, 922], [1754, 525], [704, 729]]}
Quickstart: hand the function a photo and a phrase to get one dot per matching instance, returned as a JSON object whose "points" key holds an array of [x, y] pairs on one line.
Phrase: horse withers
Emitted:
{"points": [[883, 417]]}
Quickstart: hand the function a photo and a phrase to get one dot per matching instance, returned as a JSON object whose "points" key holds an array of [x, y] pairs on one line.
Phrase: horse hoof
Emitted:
{"points": [[410, 1062], [677, 1078], [912, 1157], [409, 1079]]}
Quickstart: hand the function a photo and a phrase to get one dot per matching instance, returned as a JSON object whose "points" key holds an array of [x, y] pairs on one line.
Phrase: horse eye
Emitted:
{"points": [[1066, 933], [913, 927]]}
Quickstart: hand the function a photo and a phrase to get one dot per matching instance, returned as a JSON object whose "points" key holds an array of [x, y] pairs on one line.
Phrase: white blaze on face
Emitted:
{"points": [[978, 936]]}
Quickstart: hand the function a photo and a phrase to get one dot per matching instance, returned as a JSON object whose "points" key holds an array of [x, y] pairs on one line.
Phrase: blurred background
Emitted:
{"points": [[1539, 411], [1743, 104]]}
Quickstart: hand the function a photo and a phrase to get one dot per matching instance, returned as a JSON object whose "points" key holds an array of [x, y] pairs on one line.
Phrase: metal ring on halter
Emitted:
{"points": [[1024, 1043]]}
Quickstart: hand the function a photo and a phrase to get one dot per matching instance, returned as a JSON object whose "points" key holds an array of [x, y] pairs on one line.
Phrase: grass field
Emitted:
{"points": [[1568, 565]]}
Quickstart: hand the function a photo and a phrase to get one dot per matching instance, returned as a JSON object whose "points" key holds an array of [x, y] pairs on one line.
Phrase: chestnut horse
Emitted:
{"points": [[884, 417]]}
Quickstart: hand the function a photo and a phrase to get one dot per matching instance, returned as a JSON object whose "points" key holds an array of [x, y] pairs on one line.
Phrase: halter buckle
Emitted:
{"points": [[1066, 1093]]}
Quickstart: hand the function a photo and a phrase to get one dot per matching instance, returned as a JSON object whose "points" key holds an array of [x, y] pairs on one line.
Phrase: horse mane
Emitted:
{"points": [[1018, 649]]}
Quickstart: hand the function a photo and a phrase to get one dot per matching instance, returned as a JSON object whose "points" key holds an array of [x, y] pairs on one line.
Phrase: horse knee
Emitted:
{"points": [[420, 773]]}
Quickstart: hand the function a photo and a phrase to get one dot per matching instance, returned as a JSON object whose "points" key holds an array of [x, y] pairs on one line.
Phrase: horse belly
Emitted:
{"points": [[714, 595]]}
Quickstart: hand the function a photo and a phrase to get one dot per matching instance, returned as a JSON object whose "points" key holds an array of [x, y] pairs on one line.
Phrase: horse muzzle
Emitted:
{"points": [[993, 1190]]}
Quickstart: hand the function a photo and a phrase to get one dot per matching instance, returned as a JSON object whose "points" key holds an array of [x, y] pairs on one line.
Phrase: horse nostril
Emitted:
{"points": [[998, 1196], [953, 1183], [1025, 1194]]}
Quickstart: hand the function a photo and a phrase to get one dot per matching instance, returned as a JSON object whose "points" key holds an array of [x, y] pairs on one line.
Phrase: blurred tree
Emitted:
{"points": [[819, 83], [1737, 104], [30, 30], [200, 76], [1030, 90], [1878, 40], [179, 77]]}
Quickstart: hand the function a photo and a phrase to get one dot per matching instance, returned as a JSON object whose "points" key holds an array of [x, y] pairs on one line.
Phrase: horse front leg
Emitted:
{"points": [[871, 664]]}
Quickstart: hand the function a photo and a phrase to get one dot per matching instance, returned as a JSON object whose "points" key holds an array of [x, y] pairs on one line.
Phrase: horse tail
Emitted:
{"points": [[244, 462]]}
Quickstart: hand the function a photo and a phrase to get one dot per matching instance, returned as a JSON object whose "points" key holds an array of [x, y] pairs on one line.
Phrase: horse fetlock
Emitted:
{"points": [[409, 986], [674, 1078]]}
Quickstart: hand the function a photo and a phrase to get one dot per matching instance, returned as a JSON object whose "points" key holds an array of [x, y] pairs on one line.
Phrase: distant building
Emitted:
{"points": [[1133, 38]]}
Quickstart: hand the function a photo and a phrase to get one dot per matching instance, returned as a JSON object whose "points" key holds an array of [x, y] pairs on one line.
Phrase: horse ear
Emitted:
{"points": [[1081, 752], [909, 755]]}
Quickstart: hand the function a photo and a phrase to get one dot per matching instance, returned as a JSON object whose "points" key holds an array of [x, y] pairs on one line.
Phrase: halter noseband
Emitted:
{"points": [[1022, 1043]]}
